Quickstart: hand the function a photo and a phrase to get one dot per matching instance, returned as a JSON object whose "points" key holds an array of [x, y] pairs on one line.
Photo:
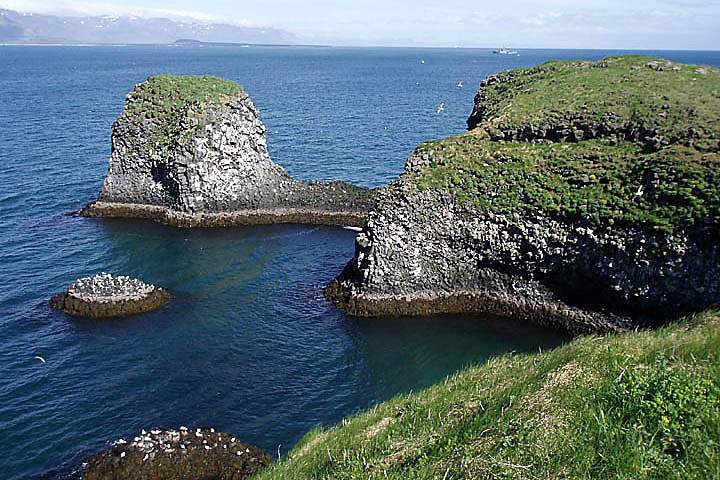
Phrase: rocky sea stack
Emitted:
{"points": [[177, 455], [191, 151], [105, 296], [586, 196]]}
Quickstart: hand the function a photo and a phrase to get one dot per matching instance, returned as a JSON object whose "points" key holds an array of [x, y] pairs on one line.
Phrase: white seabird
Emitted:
{"points": [[441, 108], [639, 193]]}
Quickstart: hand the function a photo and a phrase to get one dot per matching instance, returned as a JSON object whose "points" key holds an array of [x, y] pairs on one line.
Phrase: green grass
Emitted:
{"points": [[671, 101], [171, 105], [632, 406], [589, 181], [592, 181]]}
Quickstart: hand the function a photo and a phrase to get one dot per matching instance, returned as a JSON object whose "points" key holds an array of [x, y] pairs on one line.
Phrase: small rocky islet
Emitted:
{"points": [[105, 296], [181, 454], [592, 208]]}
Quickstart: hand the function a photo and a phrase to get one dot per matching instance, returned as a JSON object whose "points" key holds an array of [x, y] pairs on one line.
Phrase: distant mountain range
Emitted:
{"points": [[24, 28]]}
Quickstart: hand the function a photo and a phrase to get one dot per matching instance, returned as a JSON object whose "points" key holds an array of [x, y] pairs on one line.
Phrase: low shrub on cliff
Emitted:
{"points": [[637, 405]]}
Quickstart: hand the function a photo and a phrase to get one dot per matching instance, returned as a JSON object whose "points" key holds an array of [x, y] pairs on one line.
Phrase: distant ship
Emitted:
{"points": [[505, 51]]}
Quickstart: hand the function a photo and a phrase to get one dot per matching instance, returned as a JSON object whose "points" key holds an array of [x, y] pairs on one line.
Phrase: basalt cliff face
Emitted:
{"points": [[586, 196], [191, 151]]}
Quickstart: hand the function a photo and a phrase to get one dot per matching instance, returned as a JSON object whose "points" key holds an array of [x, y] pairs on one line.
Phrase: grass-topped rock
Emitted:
{"points": [[635, 406], [172, 107], [586, 196], [191, 151], [650, 101]]}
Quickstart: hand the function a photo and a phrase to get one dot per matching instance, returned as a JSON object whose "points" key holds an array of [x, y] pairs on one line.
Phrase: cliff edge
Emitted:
{"points": [[191, 151], [585, 196]]}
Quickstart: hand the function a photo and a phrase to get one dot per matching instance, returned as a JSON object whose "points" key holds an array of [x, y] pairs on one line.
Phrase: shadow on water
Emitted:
{"points": [[433, 346]]}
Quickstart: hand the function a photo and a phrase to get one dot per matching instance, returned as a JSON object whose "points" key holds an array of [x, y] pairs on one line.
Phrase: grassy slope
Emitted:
{"points": [[167, 104], [637, 405], [595, 181]]}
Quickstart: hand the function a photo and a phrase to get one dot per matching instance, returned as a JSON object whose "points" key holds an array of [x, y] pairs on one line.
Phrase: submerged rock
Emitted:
{"points": [[181, 454], [596, 231], [105, 296], [191, 151]]}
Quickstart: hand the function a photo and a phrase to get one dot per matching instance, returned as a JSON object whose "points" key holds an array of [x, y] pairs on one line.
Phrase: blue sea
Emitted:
{"points": [[249, 346]]}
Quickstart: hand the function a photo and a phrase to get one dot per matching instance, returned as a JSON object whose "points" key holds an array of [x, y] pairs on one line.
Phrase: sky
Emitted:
{"points": [[623, 24]]}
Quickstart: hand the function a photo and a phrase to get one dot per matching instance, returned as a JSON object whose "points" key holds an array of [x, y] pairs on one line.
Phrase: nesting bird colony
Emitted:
{"points": [[105, 296], [106, 287], [179, 441], [178, 454]]}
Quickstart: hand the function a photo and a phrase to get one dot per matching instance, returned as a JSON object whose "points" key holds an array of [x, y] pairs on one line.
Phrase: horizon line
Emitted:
{"points": [[311, 45]]}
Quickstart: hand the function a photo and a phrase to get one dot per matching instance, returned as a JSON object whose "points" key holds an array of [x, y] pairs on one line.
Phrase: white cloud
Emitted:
{"points": [[83, 8], [655, 24]]}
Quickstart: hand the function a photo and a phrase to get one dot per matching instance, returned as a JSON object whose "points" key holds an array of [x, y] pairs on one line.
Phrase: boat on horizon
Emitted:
{"points": [[505, 51]]}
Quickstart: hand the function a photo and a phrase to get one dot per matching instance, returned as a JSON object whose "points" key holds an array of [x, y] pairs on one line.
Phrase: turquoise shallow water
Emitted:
{"points": [[249, 346]]}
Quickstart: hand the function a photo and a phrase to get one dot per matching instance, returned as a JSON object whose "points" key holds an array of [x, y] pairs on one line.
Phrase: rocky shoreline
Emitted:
{"points": [[586, 215], [105, 296], [174, 218]]}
